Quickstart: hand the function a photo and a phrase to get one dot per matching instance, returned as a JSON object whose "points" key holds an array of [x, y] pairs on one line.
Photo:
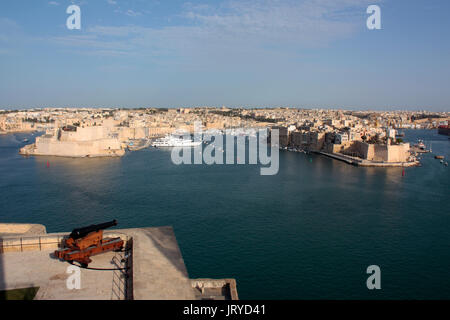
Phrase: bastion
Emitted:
{"points": [[150, 268]]}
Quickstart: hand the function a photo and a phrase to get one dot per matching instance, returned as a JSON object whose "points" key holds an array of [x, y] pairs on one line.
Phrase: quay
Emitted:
{"points": [[367, 163]]}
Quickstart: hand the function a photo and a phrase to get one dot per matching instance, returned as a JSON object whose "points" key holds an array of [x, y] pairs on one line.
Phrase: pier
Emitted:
{"points": [[367, 163]]}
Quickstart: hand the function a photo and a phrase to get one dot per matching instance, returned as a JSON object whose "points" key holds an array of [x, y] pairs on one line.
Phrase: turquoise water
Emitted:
{"points": [[309, 232]]}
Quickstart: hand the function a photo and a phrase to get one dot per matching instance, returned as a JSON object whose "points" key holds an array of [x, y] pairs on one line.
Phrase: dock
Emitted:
{"points": [[367, 163]]}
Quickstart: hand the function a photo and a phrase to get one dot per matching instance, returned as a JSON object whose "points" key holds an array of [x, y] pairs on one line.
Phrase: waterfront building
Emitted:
{"points": [[72, 141]]}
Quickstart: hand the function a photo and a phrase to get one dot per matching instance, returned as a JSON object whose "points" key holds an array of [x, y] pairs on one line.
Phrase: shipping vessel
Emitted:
{"points": [[174, 141], [445, 130]]}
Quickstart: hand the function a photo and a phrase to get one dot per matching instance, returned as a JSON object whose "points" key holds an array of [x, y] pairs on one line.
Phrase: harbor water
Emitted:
{"points": [[309, 232]]}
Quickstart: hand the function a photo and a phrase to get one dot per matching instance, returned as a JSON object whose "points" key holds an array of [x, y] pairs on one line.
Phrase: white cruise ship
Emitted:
{"points": [[173, 141]]}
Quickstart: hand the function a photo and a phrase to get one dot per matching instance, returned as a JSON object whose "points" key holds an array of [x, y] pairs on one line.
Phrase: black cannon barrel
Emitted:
{"points": [[81, 232]]}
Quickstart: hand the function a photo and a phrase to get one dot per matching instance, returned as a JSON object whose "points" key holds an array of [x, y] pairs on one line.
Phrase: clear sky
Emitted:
{"points": [[172, 53]]}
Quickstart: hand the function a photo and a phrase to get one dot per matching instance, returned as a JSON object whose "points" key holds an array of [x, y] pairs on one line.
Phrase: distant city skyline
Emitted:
{"points": [[337, 108], [306, 54]]}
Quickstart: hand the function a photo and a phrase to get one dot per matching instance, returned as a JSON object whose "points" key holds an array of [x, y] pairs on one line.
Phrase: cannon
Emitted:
{"points": [[88, 241]]}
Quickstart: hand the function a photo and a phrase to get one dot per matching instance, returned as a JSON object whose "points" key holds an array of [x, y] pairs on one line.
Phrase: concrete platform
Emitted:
{"points": [[156, 270], [159, 272], [367, 163], [15, 229], [39, 269]]}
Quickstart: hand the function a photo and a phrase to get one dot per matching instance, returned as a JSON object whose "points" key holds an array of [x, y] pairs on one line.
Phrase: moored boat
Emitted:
{"points": [[444, 129], [174, 141]]}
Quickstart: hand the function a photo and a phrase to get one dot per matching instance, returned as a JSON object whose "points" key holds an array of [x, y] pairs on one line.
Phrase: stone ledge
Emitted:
{"points": [[14, 229]]}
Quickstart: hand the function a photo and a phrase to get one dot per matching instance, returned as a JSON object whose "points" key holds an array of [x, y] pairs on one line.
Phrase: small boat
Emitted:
{"points": [[420, 144], [442, 161], [446, 164], [439, 157], [25, 140]]}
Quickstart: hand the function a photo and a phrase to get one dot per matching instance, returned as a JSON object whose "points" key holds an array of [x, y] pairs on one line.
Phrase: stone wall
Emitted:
{"points": [[85, 134], [94, 141], [53, 241], [398, 153], [78, 148], [283, 134], [314, 141], [374, 152], [21, 228]]}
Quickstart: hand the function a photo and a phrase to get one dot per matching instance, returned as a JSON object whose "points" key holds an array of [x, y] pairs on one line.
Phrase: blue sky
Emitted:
{"points": [[172, 53]]}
